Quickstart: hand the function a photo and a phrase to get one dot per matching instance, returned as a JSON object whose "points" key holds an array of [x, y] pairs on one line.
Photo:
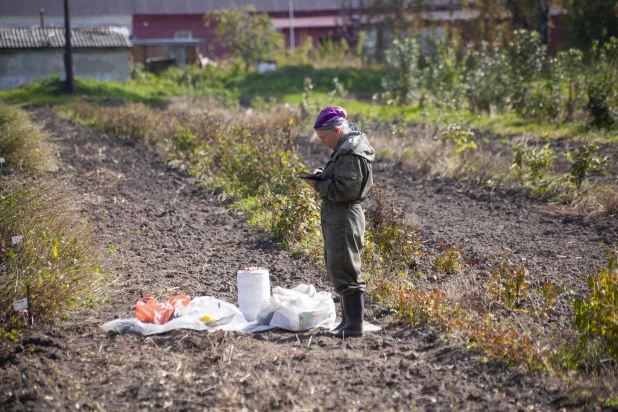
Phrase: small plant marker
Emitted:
{"points": [[20, 304], [17, 239]]}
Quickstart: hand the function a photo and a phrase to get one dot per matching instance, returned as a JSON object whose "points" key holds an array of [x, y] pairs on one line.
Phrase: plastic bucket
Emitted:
{"points": [[253, 289]]}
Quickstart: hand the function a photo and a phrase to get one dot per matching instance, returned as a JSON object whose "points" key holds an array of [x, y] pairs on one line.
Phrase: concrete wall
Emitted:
{"points": [[20, 68], [76, 21]]}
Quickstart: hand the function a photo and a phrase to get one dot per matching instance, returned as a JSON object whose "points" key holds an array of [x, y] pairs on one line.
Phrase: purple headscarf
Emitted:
{"points": [[330, 117]]}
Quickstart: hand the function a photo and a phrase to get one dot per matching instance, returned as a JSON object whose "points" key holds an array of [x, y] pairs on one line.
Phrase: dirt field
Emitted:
{"points": [[175, 238]]}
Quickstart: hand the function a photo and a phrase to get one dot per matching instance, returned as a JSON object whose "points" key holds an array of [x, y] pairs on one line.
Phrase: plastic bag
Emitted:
{"points": [[148, 310], [298, 309]]}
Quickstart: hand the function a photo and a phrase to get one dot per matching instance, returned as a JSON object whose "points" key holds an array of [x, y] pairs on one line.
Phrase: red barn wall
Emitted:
{"points": [[166, 26]]}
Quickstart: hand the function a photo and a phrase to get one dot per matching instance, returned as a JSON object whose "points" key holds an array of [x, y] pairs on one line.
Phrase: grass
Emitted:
{"points": [[54, 253], [22, 144], [228, 84]]}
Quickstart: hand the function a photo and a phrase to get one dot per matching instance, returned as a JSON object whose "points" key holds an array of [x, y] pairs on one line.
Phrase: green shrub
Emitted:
{"points": [[401, 82], [531, 163], [583, 161], [602, 85]]}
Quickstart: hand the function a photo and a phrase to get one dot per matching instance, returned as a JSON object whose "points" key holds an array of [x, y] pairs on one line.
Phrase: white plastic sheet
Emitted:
{"points": [[226, 315], [298, 309]]}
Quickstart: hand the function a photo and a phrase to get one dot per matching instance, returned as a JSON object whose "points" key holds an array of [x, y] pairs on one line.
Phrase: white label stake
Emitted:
{"points": [[2, 160], [17, 239], [21, 304]]}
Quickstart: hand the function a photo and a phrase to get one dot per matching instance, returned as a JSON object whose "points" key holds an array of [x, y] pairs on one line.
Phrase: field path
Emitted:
{"points": [[175, 238]]}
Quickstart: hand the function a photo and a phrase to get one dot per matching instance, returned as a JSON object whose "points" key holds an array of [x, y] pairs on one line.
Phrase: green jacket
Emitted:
{"points": [[347, 176]]}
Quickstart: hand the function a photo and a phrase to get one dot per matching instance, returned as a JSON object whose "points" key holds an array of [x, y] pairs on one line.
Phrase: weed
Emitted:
{"points": [[512, 279]]}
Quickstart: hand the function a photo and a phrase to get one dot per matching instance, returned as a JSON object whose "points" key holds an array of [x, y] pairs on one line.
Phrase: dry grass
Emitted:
{"points": [[55, 256], [22, 144]]}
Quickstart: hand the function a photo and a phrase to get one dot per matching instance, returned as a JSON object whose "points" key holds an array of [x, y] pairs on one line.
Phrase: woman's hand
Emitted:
{"points": [[311, 182]]}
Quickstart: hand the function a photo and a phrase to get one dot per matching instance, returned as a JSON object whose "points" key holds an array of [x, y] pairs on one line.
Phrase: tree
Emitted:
{"points": [[249, 36], [591, 20]]}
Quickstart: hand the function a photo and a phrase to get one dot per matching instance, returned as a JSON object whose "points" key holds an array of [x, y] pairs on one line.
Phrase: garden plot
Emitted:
{"points": [[168, 235]]}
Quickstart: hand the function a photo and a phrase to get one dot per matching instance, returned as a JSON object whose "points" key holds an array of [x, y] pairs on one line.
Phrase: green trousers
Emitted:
{"points": [[343, 229]]}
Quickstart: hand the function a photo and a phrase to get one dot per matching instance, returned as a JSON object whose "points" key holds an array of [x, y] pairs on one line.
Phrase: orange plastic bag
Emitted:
{"points": [[148, 310]]}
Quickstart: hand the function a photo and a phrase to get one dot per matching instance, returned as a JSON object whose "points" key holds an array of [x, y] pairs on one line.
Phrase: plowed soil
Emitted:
{"points": [[173, 237]]}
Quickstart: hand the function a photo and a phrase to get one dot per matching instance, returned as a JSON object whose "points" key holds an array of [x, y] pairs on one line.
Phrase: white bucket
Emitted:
{"points": [[253, 289]]}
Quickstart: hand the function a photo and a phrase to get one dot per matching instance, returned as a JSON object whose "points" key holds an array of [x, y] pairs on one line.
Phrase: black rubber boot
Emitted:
{"points": [[343, 319], [354, 308]]}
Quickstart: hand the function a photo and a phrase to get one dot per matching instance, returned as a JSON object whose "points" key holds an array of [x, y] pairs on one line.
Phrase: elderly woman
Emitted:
{"points": [[344, 182]]}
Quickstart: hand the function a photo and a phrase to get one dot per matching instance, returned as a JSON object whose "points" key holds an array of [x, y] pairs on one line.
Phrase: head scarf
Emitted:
{"points": [[330, 117]]}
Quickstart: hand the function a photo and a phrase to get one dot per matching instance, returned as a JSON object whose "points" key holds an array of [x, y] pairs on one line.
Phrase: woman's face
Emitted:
{"points": [[330, 138]]}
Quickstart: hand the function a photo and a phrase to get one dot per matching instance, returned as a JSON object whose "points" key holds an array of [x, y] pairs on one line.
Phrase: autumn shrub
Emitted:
{"points": [[46, 244], [449, 260], [21, 143], [596, 316]]}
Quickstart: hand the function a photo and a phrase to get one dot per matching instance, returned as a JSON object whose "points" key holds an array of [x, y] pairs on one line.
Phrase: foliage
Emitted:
{"points": [[335, 53], [394, 241], [296, 216], [590, 20], [596, 316], [21, 143], [249, 36], [512, 279], [400, 83], [449, 260], [56, 255], [602, 85], [583, 161], [461, 139], [531, 163]]}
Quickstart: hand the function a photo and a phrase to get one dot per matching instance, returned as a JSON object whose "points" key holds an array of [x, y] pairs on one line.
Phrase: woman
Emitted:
{"points": [[344, 182]]}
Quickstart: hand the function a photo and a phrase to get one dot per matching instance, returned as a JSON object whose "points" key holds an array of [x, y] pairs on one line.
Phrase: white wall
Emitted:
{"points": [[20, 68], [76, 21]]}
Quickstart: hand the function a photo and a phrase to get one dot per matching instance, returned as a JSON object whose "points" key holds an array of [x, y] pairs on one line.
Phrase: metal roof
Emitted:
{"points": [[53, 38], [119, 7]]}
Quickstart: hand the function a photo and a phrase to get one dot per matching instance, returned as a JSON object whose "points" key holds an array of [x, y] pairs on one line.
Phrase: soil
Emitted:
{"points": [[174, 237]]}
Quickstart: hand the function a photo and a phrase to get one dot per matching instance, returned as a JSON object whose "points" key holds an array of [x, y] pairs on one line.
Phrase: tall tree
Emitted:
{"points": [[249, 36]]}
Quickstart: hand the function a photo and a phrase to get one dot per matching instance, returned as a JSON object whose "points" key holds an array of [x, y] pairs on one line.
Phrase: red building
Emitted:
{"points": [[167, 23]]}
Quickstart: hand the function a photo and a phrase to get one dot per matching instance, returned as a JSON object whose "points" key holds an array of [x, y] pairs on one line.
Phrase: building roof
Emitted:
{"points": [[118, 7], [307, 22], [53, 38]]}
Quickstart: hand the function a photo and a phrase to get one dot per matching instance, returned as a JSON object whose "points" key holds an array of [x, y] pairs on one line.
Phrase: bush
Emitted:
{"points": [[602, 86], [401, 82], [596, 316], [56, 256]]}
